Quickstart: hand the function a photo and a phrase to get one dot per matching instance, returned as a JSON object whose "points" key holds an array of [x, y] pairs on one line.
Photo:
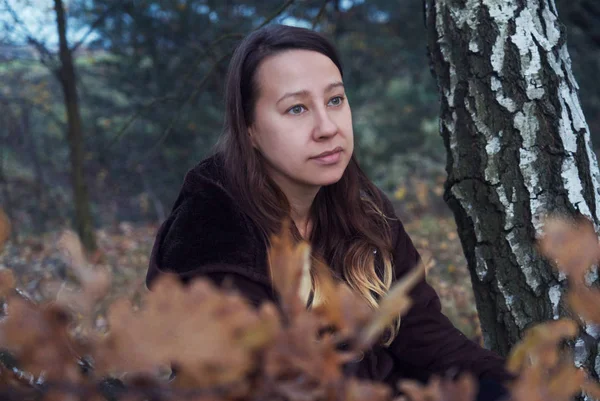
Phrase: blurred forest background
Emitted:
{"points": [[149, 78]]}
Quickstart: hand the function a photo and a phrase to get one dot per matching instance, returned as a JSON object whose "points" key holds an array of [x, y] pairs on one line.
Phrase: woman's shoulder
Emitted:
{"points": [[204, 179], [206, 231], [205, 202]]}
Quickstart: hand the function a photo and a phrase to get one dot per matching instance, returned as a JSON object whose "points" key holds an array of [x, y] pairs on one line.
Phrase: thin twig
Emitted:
{"points": [[315, 21], [95, 24], [41, 47], [189, 99], [187, 102], [279, 11], [209, 49], [185, 77], [135, 116]]}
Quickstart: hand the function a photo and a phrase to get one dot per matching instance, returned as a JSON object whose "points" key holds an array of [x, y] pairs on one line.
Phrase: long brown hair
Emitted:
{"points": [[349, 229]]}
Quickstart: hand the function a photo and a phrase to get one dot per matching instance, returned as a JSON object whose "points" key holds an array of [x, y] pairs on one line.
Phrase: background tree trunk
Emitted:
{"points": [[83, 217], [518, 146]]}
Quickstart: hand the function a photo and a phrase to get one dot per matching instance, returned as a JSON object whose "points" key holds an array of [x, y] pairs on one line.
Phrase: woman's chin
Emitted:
{"points": [[329, 180]]}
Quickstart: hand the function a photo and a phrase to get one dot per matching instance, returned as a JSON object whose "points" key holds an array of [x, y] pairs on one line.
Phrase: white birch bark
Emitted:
{"points": [[518, 147]]}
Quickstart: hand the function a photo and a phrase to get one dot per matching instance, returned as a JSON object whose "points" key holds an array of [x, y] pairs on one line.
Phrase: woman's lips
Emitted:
{"points": [[328, 158]]}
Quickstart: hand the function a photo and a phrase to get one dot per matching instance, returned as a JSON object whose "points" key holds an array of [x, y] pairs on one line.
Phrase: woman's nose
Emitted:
{"points": [[326, 126]]}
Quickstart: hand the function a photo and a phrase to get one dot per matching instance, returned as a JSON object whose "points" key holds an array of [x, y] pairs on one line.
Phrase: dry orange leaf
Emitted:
{"points": [[592, 389], [529, 386], [38, 337], [585, 301], [289, 264], [357, 390], [544, 336], [95, 282], [392, 306], [302, 364], [537, 383], [566, 382], [340, 307], [415, 391], [7, 282], [208, 334], [71, 248], [223, 348], [4, 228], [462, 389], [571, 244]]}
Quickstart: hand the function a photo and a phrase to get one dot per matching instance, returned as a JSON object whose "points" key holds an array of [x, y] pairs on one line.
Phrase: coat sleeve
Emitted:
{"points": [[207, 237], [427, 342]]}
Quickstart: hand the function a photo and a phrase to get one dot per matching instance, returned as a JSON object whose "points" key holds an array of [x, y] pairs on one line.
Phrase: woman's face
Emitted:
{"points": [[302, 120]]}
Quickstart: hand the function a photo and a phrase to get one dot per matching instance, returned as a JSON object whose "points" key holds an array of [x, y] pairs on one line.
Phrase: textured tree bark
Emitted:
{"points": [[66, 73], [518, 146]]}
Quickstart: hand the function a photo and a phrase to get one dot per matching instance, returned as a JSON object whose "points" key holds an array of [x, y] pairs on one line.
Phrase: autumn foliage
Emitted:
{"points": [[200, 342]]}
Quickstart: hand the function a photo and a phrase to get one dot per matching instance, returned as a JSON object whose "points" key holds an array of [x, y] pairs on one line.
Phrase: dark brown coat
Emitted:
{"points": [[208, 235]]}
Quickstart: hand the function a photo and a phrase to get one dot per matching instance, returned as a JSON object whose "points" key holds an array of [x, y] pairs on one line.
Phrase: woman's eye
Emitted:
{"points": [[296, 109], [336, 101]]}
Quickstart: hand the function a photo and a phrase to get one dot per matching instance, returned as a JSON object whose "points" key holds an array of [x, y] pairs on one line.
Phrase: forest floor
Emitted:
{"points": [[125, 250]]}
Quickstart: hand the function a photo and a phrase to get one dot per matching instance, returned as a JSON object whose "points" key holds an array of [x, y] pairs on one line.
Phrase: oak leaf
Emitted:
{"points": [[211, 336], [7, 282], [392, 306], [464, 388], [584, 301], [540, 344], [359, 390], [571, 243], [4, 229], [38, 337], [289, 264], [341, 309]]}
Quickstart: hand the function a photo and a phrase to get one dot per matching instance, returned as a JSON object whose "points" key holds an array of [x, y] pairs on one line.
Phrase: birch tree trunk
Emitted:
{"points": [[518, 147]]}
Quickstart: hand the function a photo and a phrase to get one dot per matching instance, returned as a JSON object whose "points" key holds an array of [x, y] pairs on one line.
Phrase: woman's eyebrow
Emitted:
{"points": [[334, 85], [292, 94], [328, 88]]}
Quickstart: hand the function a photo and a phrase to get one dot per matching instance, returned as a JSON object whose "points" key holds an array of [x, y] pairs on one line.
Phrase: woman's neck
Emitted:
{"points": [[302, 220], [301, 200]]}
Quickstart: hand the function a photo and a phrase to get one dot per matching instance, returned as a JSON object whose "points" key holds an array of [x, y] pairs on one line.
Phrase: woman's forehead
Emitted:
{"points": [[297, 71]]}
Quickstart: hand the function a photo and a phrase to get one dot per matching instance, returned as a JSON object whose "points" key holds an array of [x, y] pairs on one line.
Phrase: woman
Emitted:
{"points": [[287, 151]]}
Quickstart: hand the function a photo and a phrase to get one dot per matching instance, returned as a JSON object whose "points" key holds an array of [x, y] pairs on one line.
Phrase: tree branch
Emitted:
{"points": [[278, 12], [177, 117], [315, 21], [45, 54], [196, 91], [209, 49], [95, 25], [135, 116], [167, 98]]}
